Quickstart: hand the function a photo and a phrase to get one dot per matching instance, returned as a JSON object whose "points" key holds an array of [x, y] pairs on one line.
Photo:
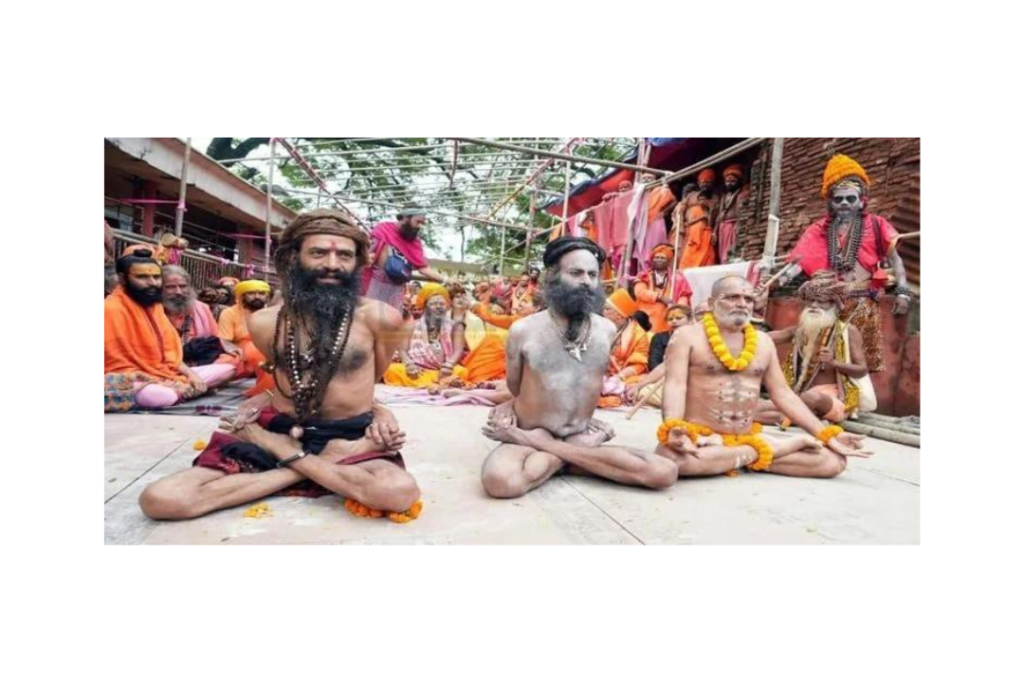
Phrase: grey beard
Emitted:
{"points": [[434, 320], [178, 308]]}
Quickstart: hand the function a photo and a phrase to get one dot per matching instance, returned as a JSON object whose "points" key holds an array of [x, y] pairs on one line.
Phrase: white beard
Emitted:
{"points": [[810, 328], [734, 318]]}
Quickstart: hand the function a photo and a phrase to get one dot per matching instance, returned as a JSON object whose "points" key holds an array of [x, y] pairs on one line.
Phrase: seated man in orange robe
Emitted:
{"points": [[656, 291], [142, 353], [630, 348], [250, 296]]}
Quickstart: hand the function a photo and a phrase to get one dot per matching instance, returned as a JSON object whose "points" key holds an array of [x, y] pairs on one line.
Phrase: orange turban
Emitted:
{"points": [[733, 170], [839, 167], [664, 250], [431, 289], [706, 176], [622, 302], [229, 282]]}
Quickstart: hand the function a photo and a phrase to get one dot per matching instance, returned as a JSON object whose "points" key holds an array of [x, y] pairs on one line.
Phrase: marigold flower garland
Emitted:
{"points": [[722, 351], [751, 438], [360, 510], [829, 433]]}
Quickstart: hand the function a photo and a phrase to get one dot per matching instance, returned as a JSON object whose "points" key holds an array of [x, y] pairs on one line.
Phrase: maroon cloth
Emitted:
{"points": [[213, 458]]}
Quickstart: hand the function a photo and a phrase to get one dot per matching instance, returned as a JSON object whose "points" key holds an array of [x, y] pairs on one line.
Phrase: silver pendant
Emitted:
{"points": [[296, 432], [575, 353]]}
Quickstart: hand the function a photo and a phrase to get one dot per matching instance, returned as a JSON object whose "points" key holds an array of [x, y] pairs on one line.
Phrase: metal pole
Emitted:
{"points": [[455, 164], [567, 148], [179, 212], [533, 212], [565, 200], [566, 157], [501, 259], [375, 202], [771, 239], [270, 200]]}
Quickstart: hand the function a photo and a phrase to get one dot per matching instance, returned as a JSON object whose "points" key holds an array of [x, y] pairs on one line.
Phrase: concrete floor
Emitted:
{"points": [[875, 501]]}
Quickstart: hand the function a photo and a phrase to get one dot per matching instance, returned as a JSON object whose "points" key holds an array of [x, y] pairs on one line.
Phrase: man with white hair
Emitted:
{"points": [[714, 372], [195, 324], [827, 353]]}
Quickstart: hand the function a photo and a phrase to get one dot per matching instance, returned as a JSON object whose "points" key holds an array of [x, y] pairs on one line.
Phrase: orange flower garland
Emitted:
{"points": [[751, 438], [722, 351], [694, 430], [829, 433], [360, 510], [764, 451]]}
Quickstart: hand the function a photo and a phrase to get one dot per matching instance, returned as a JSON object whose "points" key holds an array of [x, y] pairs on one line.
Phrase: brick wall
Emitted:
{"points": [[893, 164]]}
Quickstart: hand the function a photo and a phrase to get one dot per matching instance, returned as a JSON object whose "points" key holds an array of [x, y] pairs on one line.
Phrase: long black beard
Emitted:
{"points": [[254, 305], [575, 303], [319, 308], [144, 296]]}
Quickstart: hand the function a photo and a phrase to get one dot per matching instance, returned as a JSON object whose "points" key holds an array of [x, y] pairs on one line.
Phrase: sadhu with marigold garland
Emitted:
{"points": [[714, 371]]}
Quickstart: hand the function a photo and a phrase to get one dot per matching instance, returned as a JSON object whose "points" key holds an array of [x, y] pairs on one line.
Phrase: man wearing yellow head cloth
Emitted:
{"points": [[630, 349], [854, 244], [656, 291], [436, 345], [250, 296]]}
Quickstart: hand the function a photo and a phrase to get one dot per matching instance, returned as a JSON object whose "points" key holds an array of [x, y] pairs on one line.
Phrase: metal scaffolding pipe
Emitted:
{"points": [[270, 201], [179, 211], [713, 159], [438, 212], [566, 157], [771, 239]]}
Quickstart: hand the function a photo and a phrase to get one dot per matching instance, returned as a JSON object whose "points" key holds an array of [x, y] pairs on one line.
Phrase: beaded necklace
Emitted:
{"points": [[843, 260], [307, 384]]}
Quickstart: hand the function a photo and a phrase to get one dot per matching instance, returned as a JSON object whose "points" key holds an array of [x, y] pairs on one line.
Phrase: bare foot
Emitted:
{"points": [[713, 440], [339, 449], [602, 426], [598, 433], [508, 433], [783, 446]]}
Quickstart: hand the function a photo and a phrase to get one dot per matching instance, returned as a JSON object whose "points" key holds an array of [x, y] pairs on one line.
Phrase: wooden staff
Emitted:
{"points": [[645, 397]]}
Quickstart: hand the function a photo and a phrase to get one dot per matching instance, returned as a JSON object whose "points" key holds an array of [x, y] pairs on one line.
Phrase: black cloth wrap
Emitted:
{"points": [[202, 351], [315, 435]]}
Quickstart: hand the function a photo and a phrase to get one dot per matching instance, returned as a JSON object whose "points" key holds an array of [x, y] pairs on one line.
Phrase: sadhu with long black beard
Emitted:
{"points": [[556, 365], [318, 431]]}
